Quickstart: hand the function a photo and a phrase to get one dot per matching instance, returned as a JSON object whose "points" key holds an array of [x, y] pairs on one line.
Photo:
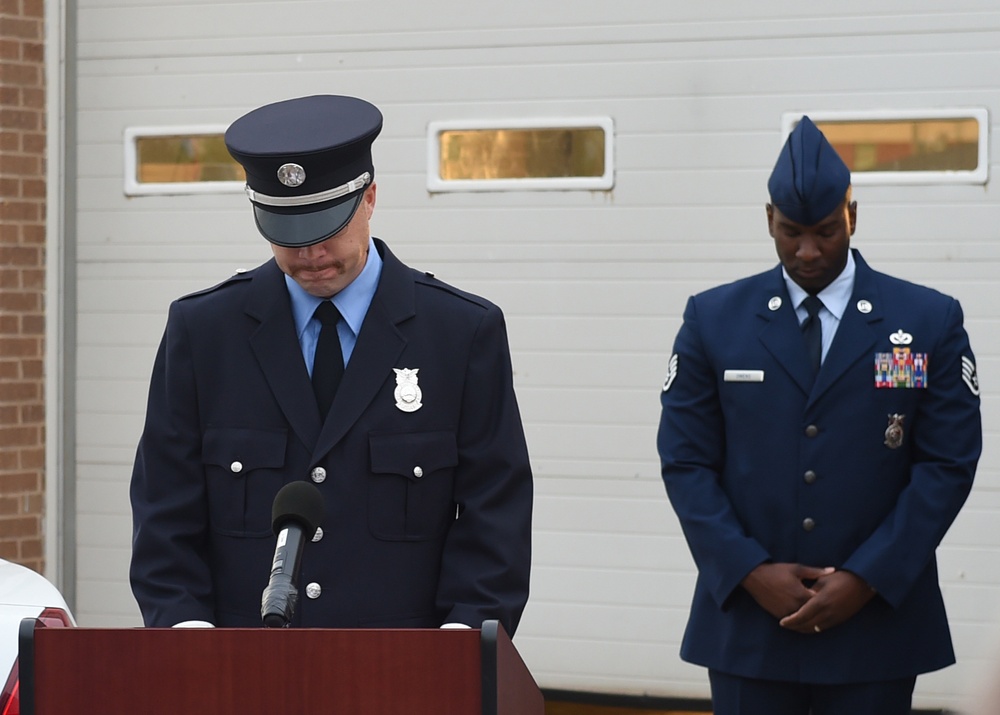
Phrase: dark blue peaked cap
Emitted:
{"points": [[810, 179], [307, 161]]}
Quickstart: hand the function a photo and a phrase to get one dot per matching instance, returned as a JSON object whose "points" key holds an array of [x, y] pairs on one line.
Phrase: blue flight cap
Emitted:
{"points": [[810, 179], [308, 162]]}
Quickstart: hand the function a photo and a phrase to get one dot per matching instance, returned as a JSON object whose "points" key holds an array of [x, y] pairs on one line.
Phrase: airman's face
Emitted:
{"points": [[813, 255], [326, 268]]}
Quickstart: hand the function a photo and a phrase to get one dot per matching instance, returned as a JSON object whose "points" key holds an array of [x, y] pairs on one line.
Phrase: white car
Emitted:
{"points": [[24, 594]]}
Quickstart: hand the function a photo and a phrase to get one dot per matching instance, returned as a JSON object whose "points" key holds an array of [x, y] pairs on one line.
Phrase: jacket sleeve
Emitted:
{"points": [[487, 553], [946, 434], [170, 573], [692, 447]]}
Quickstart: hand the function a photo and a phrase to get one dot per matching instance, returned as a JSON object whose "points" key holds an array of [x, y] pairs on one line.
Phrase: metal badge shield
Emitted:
{"points": [[291, 175], [407, 392], [894, 432]]}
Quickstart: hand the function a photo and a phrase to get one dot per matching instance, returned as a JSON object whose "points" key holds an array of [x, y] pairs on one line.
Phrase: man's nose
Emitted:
{"points": [[311, 252], [808, 250]]}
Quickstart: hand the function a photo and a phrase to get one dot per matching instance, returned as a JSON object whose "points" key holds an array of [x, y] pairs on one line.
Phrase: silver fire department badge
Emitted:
{"points": [[291, 175], [407, 391], [894, 432]]}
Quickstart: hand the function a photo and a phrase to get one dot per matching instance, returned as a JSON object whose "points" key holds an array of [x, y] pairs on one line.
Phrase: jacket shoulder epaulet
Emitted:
{"points": [[240, 275], [427, 278]]}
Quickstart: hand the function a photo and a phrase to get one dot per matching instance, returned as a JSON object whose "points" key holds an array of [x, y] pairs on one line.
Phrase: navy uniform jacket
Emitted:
{"points": [[785, 470], [427, 512]]}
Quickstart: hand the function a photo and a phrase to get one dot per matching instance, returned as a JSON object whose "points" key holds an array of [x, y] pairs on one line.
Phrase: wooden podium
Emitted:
{"points": [[163, 671]]}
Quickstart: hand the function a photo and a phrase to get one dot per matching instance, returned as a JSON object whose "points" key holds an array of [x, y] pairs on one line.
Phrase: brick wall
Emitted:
{"points": [[22, 281]]}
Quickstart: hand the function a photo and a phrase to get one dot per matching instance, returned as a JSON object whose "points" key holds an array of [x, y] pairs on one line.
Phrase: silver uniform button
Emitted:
{"points": [[236, 467], [812, 431], [314, 590], [808, 524], [809, 477], [318, 475], [319, 534], [418, 472]]}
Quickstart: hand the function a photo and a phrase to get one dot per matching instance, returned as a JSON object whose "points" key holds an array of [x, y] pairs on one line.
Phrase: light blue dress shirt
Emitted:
{"points": [[352, 302], [835, 297]]}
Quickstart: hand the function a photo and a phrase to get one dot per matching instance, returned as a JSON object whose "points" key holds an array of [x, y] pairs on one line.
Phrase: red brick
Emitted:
{"points": [[19, 74], [10, 506], [18, 436], [9, 49], [20, 482], [31, 551], [33, 369], [8, 550], [33, 52], [10, 459], [10, 369], [34, 98], [34, 234], [19, 165], [13, 27], [34, 8], [28, 256], [24, 346], [33, 142], [17, 392], [33, 279], [33, 188], [32, 415], [10, 278], [18, 526], [32, 458], [19, 211], [10, 141], [20, 302], [32, 324]]}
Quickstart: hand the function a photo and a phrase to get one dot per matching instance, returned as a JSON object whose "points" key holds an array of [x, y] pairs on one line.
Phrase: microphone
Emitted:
{"points": [[295, 515]]}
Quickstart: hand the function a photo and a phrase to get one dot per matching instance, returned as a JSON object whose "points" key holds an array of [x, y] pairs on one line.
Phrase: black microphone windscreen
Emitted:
{"points": [[298, 502]]}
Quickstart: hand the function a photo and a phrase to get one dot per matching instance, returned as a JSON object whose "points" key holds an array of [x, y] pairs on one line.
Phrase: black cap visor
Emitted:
{"points": [[297, 230]]}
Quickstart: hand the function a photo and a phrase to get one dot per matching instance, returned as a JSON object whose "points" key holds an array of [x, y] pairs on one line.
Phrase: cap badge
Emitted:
{"points": [[900, 338], [894, 432], [774, 303], [864, 306], [407, 391], [291, 175]]}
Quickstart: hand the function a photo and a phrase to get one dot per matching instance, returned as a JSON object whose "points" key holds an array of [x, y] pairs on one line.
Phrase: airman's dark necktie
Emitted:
{"points": [[328, 366], [812, 330]]}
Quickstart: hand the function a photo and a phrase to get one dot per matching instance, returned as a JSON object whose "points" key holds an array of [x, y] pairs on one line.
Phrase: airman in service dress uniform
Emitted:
{"points": [[421, 457], [816, 452]]}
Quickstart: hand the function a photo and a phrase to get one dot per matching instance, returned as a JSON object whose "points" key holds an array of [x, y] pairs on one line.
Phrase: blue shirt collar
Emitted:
{"points": [[835, 296], [352, 301]]}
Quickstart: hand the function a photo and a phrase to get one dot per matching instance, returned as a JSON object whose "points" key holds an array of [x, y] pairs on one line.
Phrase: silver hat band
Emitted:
{"points": [[335, 193]]}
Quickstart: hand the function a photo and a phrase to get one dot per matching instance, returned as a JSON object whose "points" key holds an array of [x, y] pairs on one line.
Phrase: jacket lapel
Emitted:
{"points": [[781, 335], [276, 347], [856, 336], [379, 346]]}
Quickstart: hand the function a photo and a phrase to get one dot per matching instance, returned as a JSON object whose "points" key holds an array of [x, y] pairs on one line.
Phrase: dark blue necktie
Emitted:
{"points": [[328, 365], [812, 330]]}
